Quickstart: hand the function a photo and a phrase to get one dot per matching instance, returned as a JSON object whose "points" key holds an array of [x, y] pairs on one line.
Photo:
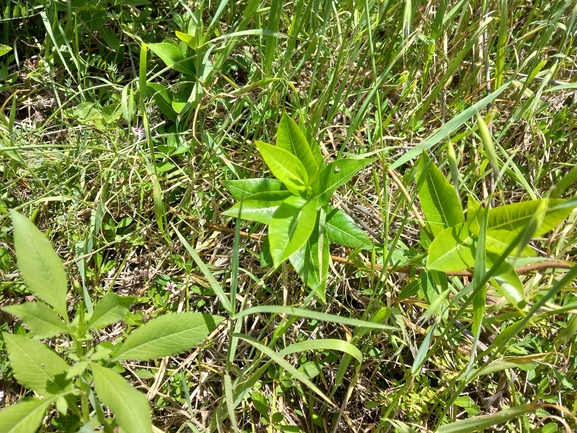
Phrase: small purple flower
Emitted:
{"points": [[171, 286]]}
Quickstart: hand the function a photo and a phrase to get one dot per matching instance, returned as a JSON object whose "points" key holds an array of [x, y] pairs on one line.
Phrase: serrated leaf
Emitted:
{"points": [[285, 167], [452, 250], [109, 310], [242, 189], [35, 366], [290, 227], [167, 335], [23, 417], [41, 267], [441, 206], [259, 207], [338, 173], [289, 137], [514, 217], [343, 230], [311, 262], [173, 57], [128, 405], [39, 318]]}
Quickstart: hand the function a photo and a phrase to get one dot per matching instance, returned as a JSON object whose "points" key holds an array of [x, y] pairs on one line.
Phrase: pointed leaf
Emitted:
{"points": [[438, 198], [514, 217], [128, 405], [452, 250], [244, 188], [338, 173], [23, 417], [474, 215], [109, 310], [343, 230], [317, 155], [324, 344], [311, 262], [173, 57], [290, 138], [39, 318], [167, 335], [40, 266], [481, 422], [290, 227], [259, 207], [285, 167], [508, 283], [36, 366]]}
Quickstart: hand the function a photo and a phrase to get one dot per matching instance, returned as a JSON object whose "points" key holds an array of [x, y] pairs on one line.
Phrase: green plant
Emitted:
{"points": [[460, 238], [296, 207], [83, 370]]}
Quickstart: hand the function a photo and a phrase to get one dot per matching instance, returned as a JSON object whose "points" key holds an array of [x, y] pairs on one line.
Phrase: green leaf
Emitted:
{"points": [[259, 207], [4, 49], [171, 55], [481, 422], [452, 250], [289, 137], [311, 262], [338, 173], [109, 310], [488, 144], [40, 266], [242, 189], [343, 230], [189, 40], [167, 335], [23, 417], [36, 366], [285, 167], [474, 215], [290, 227], [39, 318], [441, 206], [497, 242], [507, 282], [514, 217], [128, 405], [315, 315], [110, 38], [324, 344]]}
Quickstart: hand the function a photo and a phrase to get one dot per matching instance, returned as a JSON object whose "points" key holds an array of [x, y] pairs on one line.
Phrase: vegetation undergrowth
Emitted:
{"points": [[301, 217]]}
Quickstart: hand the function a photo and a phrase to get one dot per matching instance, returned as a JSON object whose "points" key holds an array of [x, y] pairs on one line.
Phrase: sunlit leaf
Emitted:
{"points": [[438, 198], [452, 250], [289, 137], [285, 167], [338, 173], [128, 405], [259, 207], [41, 267], [290, 227], [167, 335]]}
